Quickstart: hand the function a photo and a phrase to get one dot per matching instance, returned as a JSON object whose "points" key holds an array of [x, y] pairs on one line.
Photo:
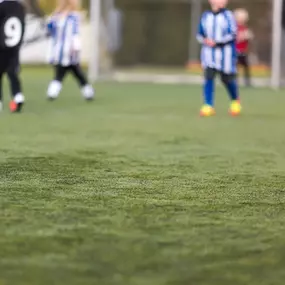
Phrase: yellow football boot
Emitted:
{"points": [[235, 108], [207, 111]]}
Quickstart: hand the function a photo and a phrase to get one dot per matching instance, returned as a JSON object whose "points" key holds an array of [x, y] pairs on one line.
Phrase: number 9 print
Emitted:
{"points": [[13, 30]]}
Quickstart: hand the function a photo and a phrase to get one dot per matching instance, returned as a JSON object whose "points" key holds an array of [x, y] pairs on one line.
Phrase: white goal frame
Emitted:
{"points": [[275, 79], [95, 19], [276, 44]]}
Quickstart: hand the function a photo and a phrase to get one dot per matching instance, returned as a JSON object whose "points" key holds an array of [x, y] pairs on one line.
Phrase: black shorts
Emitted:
{"points": [[210, 73], [9, 61], [243, 59]]}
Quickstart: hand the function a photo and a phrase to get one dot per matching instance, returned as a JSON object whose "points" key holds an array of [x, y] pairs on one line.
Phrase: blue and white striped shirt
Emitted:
{"points": [[65, 41], [220, 27]]}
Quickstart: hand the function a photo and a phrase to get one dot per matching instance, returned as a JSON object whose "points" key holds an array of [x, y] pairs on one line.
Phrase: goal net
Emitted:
{"points": [[154, 40]]}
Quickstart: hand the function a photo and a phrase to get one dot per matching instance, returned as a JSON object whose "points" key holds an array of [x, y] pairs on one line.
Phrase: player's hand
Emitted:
{"points": [[209, 42], [241, 36], [249, 35]]}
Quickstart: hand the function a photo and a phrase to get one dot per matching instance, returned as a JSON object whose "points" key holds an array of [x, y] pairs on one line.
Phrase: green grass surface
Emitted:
{"points": [[136, 189]]}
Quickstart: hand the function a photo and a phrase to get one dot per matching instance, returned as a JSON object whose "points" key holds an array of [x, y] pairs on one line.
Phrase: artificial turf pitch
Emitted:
{"points": [[136, 189]]}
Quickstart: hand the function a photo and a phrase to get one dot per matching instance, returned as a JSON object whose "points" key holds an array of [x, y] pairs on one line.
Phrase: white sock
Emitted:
{"points": [[87, 92], [19, 98], [54, 89]]}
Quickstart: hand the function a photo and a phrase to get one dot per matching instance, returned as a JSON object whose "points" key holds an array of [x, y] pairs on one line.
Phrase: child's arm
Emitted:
{"points": [[201, 35], [232, 30], [76, 36], [51, 24], [246, 35]]}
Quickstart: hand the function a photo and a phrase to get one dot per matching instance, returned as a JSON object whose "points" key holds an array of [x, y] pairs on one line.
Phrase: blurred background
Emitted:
{"points": [[153, 36]]}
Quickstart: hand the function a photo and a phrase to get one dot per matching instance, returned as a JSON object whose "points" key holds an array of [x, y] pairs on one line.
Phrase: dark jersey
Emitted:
{"points": [[12, 24]]}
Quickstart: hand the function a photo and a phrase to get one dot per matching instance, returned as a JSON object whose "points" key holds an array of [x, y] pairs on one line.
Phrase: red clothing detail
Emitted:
{"points": [[242, 46]]}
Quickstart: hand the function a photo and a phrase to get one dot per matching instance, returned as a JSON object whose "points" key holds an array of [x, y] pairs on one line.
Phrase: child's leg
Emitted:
{"points": [[1, 91], [15, 84], [86, 89], [55, 86], [230, 82], [13, 73], [239, 63], [209, 86], [16, 91], [247, 76], [243, 62]]}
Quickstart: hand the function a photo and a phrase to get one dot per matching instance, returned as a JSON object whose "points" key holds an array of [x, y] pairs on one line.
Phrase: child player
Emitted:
{"points": [[217, 35], [63, 28], [244, 35]]}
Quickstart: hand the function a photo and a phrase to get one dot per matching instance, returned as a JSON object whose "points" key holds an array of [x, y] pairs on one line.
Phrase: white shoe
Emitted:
{"points": [[54, 89], [88, 92], [19, 98], [1, 106]]}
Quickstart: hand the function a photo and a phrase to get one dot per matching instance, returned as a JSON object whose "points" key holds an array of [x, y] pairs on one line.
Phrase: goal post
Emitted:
{"points": [[131, 39], [95, 19], [160, 37], [276, 43]]}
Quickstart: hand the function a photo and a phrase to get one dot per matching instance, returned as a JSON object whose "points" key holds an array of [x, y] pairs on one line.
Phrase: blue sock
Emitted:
{"points": [[232, 88], [209, 92]]}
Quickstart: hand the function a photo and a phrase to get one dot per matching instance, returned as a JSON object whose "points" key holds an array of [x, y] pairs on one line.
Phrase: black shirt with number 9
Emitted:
{"points": [[12, 24]]}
